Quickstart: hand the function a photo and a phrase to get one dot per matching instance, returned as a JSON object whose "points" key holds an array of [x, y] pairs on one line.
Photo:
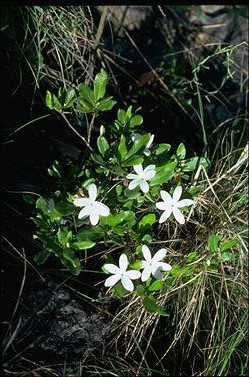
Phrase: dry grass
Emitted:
{"points": [[208, 310]]}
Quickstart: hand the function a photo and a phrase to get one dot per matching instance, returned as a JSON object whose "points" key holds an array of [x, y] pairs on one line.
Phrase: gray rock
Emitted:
{"points": [[59, 326]]}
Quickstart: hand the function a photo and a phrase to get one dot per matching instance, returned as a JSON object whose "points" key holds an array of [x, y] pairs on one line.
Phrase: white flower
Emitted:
{"points": [[172, 205], [140, 179], [153, 265], [121, 273], [147, 151], [91, 207]]}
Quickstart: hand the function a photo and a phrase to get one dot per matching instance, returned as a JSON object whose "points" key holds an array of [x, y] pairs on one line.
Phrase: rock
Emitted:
{"points": [[126, 16], [59, 326]]}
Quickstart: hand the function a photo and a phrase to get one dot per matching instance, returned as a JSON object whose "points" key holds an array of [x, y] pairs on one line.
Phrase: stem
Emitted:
{"points": [[76, 132], [91, 128], [201, 114]]}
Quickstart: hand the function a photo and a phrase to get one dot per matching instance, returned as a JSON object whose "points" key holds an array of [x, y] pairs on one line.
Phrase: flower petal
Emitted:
{"points": [[165, 215], [166, 197], [177, 194], [160, 254], [145, 264], [133, 274], [112, 268], [133, 184], [146, 273], [123, 262], [184, 203], [144, 186], [111, 281], [150, 141], [92, 191], [178, 215], [147, 152], [165, 266], [149, 167], [162, 206], [127, 283], [156, 272], [135, 137], [94, 217], [149, 174], [102, 209], [51, 204], [81, 202], [84, 212], [132, 176], [138, 169], [146, 253]]}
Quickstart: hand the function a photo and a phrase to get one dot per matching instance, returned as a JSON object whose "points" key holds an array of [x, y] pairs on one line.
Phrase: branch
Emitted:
{"points": [[76, 132]]}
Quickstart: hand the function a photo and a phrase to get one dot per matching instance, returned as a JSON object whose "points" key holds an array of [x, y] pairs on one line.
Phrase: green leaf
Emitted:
{"points": [[119, 190], [140, 290], [194, 190], [103, 145], [226, 257], [135, 265], [156, 286], [138, 145], [181, 151], [136, 120], [86, 94], [151, 306], [129, 113], [132, 194], [69, 98], [41, 204], [29, 198], [99, 86], [192, 256], [64, 237], [42, 257], [122, 150], [134, 160], [82, 245], [147, 238], [55, 170], [70, 261], [226, 245], [112, 220], [124, 217], [146, 223], [92, 234], [52, 101], [106, 104], [98, 159], [178, 270], [122, 116], [65, 208], [84, 106], [213, 242], [161, 148], [48, 99], [148, 219], [164, 174], [192, 164], [119, 290]]}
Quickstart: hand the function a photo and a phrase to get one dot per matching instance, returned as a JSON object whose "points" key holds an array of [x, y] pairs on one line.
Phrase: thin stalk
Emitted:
{"points": [[201, 114], [91, 128], [76, 132]]}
